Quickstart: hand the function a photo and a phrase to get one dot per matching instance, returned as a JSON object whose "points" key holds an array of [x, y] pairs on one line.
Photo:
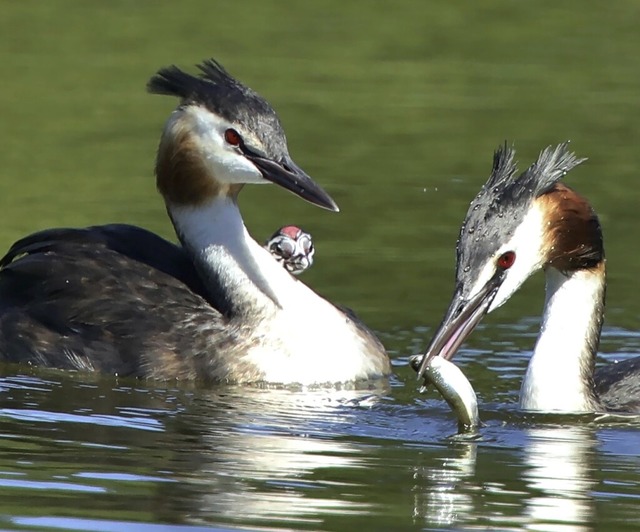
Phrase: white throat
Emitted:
{"points": [[224, 252], [560, 372], [293, 335]]}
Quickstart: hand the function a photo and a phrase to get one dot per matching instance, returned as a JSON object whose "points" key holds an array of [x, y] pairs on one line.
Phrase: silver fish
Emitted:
{"points": [[456, 389]]}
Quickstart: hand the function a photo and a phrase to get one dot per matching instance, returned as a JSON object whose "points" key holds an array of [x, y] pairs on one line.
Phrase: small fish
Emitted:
{"points": [[454, 387]]}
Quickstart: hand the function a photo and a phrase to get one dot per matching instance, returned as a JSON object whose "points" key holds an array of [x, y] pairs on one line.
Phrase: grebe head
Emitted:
{"points": [[515, 226], [293, 248], [221, 136]]}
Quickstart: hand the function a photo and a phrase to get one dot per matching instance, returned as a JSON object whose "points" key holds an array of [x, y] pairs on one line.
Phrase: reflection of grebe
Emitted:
{"points": [[560, 478], [514, 227], [119, 299]]}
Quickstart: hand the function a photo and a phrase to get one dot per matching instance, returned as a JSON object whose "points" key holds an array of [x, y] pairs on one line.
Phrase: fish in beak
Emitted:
{"points": [[462, 317]]}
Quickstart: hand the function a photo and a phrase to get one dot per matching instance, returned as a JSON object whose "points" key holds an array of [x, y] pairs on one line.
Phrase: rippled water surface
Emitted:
{"points": [[104, 455], [395, 108]]}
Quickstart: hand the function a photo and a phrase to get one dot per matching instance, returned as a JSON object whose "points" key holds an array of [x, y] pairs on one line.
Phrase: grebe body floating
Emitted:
{"points": [[517, 225], [218, 307]]}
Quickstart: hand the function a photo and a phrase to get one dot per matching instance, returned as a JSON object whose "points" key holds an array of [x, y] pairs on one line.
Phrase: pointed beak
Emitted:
{"points": [[288, 175], [460, 320]]}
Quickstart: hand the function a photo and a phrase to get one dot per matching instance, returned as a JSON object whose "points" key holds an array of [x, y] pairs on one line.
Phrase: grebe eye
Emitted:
{"points": [[506, 260], [232, 137]]}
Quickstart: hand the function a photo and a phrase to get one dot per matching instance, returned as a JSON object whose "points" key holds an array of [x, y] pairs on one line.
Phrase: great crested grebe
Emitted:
{"points": [[514, 227], [293, 248], [121, 300]]}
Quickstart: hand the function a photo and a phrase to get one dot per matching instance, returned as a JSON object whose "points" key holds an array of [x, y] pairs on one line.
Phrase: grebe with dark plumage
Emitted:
{"points": [[516, 226], [119, 299]]}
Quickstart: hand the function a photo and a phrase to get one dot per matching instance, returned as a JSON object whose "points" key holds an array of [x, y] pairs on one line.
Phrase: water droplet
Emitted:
{"points": [[467, 269], [476, 207]]}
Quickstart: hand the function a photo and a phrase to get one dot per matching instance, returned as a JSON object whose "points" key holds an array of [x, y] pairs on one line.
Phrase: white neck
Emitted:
{"points": [[226, 255], [293, 334], [560, 373]]}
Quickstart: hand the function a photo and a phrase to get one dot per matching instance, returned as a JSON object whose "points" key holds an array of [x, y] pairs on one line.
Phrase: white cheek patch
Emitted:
{"points": [[487, 273], [226, 163], [528, 245]]}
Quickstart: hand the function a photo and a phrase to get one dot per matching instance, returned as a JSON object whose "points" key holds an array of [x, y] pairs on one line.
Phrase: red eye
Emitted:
{"points": [[506, 260], [232, 137]]}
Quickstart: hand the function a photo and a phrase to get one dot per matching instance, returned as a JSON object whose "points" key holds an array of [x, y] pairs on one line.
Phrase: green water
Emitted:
{"points": [[395, 108]]}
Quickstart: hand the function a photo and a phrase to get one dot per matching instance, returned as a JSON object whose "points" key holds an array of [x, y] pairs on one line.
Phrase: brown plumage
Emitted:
{"points": [[573, 230]]}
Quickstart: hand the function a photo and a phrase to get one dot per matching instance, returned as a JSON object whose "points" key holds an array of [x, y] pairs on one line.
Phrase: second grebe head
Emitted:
{"points": [[221, 136], [293, 248], [515, 226]]}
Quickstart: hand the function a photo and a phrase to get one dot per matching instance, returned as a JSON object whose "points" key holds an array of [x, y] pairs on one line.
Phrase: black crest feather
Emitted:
{"points": [[503, 186], [217, 90], [504, 166], [214, 88], [505, 196], [552, 165], [172, 81]]}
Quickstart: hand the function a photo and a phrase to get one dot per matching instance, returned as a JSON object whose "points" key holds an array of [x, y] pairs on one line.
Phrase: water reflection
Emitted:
{"points": [[443, 492], [231, 455], [270, 477], [290, 459], [560, 478], [271, 455]]}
